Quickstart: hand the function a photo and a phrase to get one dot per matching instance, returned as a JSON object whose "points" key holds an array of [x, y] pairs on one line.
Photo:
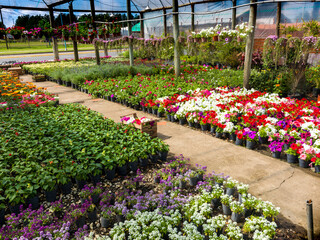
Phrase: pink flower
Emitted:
{"points": [[303, 156]]}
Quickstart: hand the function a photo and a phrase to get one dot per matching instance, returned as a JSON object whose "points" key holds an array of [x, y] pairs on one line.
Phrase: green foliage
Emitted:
{"points": [[271, 80], [313, 76], [311, 28]]}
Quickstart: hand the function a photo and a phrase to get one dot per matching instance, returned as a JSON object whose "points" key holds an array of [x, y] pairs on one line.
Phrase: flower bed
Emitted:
{"points": [[136, 207], [18, 95], [48, 147]]}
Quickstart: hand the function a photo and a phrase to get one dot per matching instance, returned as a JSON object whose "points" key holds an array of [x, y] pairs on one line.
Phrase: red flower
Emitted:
{"points": [[294, 146]]}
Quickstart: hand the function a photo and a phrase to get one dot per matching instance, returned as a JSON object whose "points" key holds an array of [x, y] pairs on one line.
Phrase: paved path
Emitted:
{"points": [[287, 186], [50, 56]]}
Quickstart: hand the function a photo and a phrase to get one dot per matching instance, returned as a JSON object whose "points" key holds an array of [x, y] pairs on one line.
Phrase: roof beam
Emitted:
{"points": [[60, 10]]}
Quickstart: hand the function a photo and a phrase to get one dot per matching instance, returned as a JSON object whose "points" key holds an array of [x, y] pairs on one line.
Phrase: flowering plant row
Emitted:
{"points": [[49, 146], [169, 210]]}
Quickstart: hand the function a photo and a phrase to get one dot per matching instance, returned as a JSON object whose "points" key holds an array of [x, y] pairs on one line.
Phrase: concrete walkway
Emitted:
{"points": [[285, 185]]}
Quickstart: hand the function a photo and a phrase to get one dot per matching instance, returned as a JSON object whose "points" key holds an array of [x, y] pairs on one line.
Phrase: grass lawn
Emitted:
{"points": [[18, 47]]}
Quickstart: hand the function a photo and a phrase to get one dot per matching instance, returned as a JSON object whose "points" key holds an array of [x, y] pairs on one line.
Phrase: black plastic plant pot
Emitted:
{"points": [[110, 174], [104, 222], [120, 218], [292, 158], [35, 202], [51, 195], [81, 183], [303, 163], [93, 216], [233, 137], [95, 198], [154, 111], [66, 188], [250, 144], [81, 221], [193, 181], [133, 166], [182, 121], [95, 179], [15, 208], [143, 162], [276, 154], [2, 214], [159, 114], [263, 140], [163, 155], [123, 170], [204, 127], [239, 142], [153, 158]]}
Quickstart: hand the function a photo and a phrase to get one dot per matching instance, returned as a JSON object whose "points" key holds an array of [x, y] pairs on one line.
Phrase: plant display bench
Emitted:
{"points": [[39, 78], [146, 125], [16, 70]]}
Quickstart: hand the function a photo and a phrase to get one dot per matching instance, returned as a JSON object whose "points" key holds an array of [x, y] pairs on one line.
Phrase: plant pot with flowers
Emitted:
{"points": [[216, 194], [92, 213], [316, 162], [237, 210], [57, 209], [230, 185], [193, 178], [249, 202], [78, 215], [293, 152], [240, 137], [252, 138], [225, 201], [269, 211], [107, 216], [201, 170], [276, 148], [219, 130], [242, 190]]}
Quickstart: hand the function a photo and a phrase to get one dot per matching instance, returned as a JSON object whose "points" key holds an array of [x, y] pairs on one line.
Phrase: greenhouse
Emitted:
{"points": [[157, 119]]}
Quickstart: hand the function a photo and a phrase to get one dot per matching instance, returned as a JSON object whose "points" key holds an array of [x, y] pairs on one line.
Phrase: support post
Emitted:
{"points": [[234, 14], [141, 26], [192, 17], [93, 16], [309, 220], [165, 22], [249, 44], [175, 10], [54, 40], [5, 34], [278, 19], [74, 42], [130, 32]]}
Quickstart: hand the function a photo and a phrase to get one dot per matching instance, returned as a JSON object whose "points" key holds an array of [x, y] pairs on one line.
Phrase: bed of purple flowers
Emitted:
{"points": [[96, 209]]}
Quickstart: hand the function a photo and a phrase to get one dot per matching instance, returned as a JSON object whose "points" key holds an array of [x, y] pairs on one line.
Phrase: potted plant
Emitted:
{"points": [[316, 161], [106, 218], [269, 211], [276, 148], [292, 153], [92, 213], [226, 200], [237, 209], [252, 138], [79, 216], [230, 185], [242, 190], [216, 194], [57, 209], [200, 171], [249, 202]]}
